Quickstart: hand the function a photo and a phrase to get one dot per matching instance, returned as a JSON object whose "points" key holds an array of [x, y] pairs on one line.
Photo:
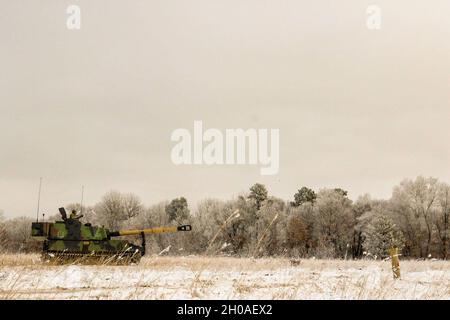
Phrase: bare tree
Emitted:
{"points": [[361, 208], [441, 219], [19, 236], [3, 234], [210, 222], [297, 233], [132, 205], [419, 198], [270, 228], [110, 210], [334, 220]]}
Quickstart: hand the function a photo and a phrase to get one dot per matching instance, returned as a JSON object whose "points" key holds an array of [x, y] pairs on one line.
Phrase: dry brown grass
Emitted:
{"points": [[231, 263], [20, 259]]}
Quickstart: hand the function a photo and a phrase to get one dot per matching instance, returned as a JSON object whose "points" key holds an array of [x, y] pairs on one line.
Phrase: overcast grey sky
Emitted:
{"points": [[356, 108]]}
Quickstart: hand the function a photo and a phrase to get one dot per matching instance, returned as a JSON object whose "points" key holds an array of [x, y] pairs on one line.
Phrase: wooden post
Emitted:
{"points": [[395, 262]]}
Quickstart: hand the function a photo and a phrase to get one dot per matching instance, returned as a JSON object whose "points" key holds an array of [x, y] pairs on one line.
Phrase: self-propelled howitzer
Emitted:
{"points": [[70, 239]]}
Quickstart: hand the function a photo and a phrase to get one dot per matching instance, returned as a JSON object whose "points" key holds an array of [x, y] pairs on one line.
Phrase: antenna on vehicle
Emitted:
{"points": [[81, 204], [39, 199]]}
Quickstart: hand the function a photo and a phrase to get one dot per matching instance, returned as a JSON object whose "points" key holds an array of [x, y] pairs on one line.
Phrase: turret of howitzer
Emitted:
{"points": [[71, 237]]}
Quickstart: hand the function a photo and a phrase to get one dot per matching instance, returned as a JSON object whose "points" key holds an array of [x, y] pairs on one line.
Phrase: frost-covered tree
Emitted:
{"points": [[442, 219], [109, 211], [361, 208], [270, 228], [414, 202], [3, 235], [211, 222], [132, 205], [380, 235], [18, 235], [115, 208], [334, 222]]}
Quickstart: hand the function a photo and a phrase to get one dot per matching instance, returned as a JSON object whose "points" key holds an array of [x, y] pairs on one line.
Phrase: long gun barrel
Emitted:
{"points": [[151, 230]]}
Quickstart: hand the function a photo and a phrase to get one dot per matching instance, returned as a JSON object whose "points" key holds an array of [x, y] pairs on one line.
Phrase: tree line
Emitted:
{"points": [[321, 223]]}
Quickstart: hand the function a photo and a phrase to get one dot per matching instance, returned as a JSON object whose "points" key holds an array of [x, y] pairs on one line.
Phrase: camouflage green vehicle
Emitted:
{"points": [[71, 240]]}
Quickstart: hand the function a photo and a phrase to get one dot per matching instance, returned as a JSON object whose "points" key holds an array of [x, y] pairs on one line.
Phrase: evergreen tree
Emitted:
{"points": [[304, 195], [178, 209], [382, 234], [258, 193]]}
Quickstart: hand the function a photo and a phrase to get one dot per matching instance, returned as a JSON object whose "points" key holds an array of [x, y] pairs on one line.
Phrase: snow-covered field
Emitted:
{"points": [[25, 277]]}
